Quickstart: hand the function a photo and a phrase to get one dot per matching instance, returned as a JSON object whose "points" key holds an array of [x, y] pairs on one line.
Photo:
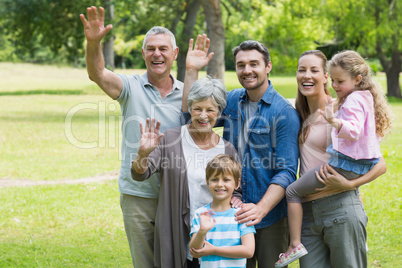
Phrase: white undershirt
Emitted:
{"points": [[196, 162]]}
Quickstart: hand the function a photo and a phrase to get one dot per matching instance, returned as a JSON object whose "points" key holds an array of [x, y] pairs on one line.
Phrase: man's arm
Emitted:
{"points": [[95, 31], [196, 59]]}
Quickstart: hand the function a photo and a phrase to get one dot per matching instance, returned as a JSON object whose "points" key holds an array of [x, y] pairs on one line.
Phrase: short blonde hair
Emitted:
{"points": [[224, 164]]}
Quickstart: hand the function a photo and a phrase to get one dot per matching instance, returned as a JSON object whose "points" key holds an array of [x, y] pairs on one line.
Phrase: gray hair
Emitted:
{"points": [[207, 87], [160, 30]]}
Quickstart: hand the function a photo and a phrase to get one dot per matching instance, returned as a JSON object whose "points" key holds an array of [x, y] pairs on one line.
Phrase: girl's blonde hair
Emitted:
{"points": [[354, 64], [301, 100]]}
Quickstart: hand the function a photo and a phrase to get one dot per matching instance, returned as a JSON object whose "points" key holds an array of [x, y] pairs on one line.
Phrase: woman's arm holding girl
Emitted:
{"points": [[334, 181]]}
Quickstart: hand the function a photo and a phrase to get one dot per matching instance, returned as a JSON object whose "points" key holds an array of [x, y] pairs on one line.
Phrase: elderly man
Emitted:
{"points": [[156, 94]]}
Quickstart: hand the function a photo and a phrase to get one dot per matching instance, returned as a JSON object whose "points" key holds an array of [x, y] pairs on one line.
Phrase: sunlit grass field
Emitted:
{"points": [[56, 124]]}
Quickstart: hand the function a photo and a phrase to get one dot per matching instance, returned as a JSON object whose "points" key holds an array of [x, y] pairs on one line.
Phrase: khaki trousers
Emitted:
{"points": [[139, 223], [334, 232]]}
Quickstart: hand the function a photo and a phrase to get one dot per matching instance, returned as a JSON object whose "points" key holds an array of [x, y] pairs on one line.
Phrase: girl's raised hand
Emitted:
{"points": [[150, 137], [328, 113]]}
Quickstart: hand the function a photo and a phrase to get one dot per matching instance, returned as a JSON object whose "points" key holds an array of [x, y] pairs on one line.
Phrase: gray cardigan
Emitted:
{"points": [[172, 223]]}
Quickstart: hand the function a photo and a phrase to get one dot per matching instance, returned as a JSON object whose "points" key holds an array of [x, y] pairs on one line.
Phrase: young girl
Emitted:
{"points": [[363, 117]]}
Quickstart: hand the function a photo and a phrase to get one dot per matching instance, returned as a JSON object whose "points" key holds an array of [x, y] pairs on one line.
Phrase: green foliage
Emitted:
{"points": [[34, 25], [286, 28], [6, 50]]}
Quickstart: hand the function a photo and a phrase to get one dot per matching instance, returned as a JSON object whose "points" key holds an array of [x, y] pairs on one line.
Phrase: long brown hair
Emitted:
{"points": [[301, 100]]}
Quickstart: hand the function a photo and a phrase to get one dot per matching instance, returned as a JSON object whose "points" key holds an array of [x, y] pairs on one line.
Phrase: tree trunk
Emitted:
{"points": [[393, 86], [392, 67], [108, 52], [216, 32], [189, 22]]}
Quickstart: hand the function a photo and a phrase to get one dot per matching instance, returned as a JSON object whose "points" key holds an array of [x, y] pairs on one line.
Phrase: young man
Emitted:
{"points": [[263, 127], [216, 234], [156, 94]]}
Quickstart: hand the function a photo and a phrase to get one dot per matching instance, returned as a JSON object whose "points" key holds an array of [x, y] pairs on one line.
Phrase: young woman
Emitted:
{"points": [[334, 220]]}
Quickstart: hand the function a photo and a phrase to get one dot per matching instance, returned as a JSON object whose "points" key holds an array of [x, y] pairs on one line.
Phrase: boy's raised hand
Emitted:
{"points": [[198, 57], [206, 220], [94, 27]]}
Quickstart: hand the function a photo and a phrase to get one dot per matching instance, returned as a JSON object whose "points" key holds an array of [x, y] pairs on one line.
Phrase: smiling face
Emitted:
{"points": [[204, 114], [342, 82], [221, 186], [251, 70], [159, 54], [310, 76]]}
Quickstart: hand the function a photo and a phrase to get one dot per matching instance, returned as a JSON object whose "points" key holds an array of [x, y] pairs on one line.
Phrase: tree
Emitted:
{"points": [[216, 32], [124, 49], [32, 25], [389, 55], [373, 27], [191, 12]]}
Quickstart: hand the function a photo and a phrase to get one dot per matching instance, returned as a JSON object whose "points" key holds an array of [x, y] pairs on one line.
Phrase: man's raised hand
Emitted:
{"points": [[198, 57], [94, 27]]}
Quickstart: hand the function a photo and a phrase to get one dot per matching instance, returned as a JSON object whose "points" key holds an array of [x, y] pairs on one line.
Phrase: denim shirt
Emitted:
{"points": [[272, 151]]}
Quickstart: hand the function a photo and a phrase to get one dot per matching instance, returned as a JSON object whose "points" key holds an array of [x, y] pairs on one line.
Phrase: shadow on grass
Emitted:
{"points": [[41, 92]]}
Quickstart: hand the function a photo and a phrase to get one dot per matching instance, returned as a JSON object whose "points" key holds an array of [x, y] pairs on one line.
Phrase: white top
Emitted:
{"points": [[196, 162]]}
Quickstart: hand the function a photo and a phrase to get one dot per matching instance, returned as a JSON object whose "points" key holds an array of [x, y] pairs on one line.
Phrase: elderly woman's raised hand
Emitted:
{"points": [[150, 137], [198, 57], [94, 27]]}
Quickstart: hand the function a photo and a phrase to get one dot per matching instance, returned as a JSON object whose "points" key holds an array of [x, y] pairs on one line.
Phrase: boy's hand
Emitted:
{"points": [[206, 250], [206, 221]]}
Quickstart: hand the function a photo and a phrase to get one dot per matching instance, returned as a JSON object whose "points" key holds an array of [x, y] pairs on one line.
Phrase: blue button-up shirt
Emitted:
{"points": [[271, 153]]}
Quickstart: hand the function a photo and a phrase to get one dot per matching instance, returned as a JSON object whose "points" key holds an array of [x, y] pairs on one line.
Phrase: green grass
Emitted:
{"points": [[81, 225], [62, 226]]}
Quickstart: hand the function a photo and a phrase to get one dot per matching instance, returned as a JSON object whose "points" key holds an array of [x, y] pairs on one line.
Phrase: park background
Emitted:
{"points": [[57, 127]]}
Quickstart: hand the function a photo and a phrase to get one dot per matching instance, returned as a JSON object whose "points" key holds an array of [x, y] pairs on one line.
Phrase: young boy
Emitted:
{"points": [[216, 236]]}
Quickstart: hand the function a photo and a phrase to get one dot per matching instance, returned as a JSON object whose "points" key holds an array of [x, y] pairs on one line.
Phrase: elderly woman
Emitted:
{"points": [[180, 156]]}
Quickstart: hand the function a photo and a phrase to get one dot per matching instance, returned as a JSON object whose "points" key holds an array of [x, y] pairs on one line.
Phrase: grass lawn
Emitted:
{"points": [[56, 124]]}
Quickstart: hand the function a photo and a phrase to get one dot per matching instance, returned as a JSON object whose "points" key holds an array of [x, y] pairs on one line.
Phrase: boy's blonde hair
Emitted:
{"points": [[354, 64], [224, 164]]}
